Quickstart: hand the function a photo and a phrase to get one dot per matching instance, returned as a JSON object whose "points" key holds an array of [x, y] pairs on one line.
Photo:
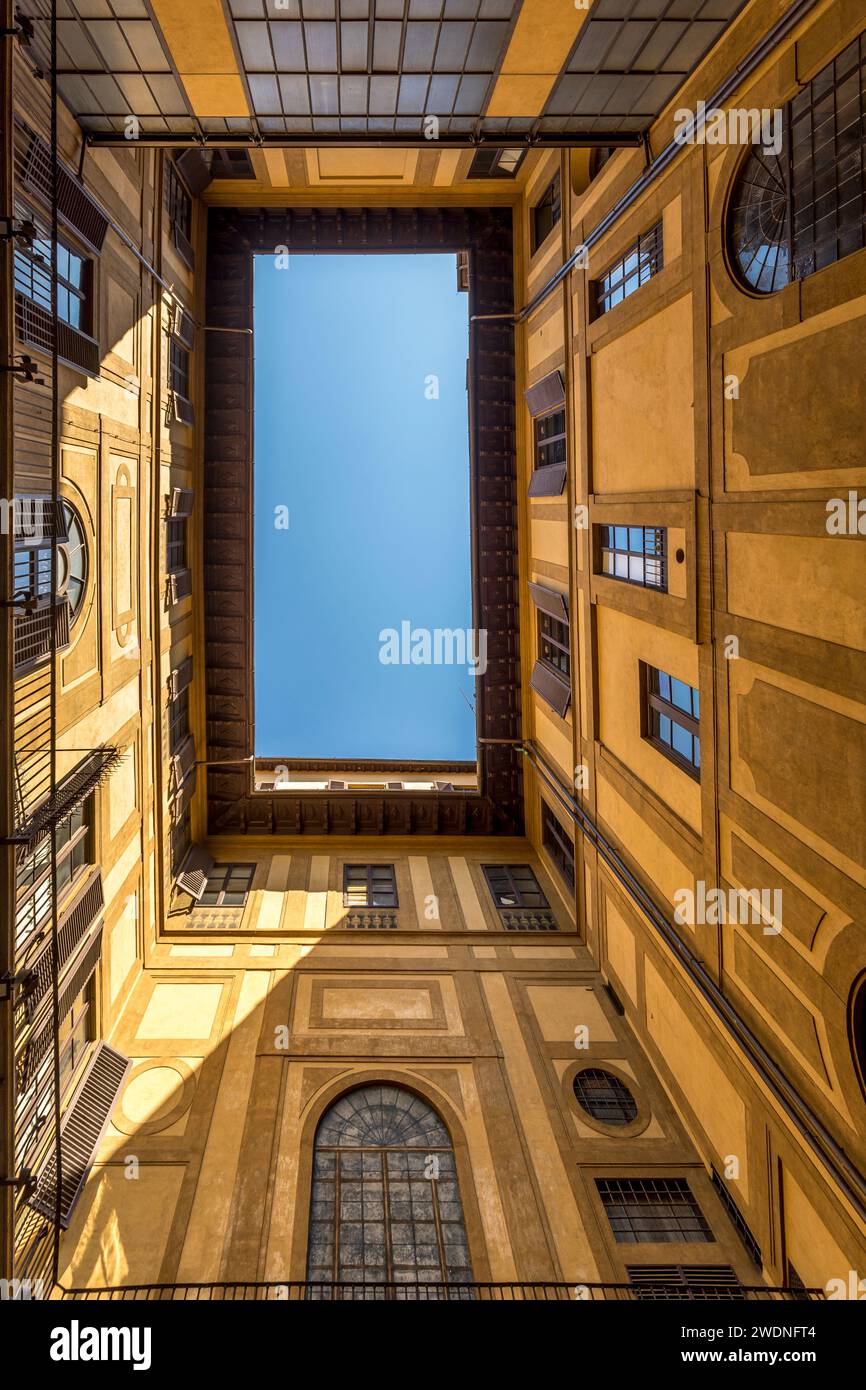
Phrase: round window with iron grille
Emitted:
{"points": [[758, 222], [605, 1097]]}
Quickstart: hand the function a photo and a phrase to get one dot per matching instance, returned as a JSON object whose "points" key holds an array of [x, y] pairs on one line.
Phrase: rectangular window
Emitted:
{"points": [[553, 643], [671, 719], [369, 885], [742, 1226], [227, 885], [633, 554], [558, 846], [33, 879], [546, 213], [32, 276], [180, 839], [550, 439], [514, 885], [652, 1211], [178, 721], [177, 200], [175, 553], [178, 364], [640, 262]]}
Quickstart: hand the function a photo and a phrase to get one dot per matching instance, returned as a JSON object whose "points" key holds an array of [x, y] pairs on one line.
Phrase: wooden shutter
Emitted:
{"points": [[194, 872], [551, 686], [444, 786], [75, 207], [183, 761], [194, 170], [550, 601], [81, 1129], [547, 394], [180, 585], [548, 481], [181, 501], [185, 793], [180, 678]]}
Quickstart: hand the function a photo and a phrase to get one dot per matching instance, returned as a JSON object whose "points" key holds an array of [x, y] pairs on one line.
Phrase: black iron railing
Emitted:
{"points": [[431, 1292]]}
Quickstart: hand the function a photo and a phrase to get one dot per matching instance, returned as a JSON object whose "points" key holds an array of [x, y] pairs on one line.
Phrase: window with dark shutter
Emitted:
{"points": [[82, 1128]]}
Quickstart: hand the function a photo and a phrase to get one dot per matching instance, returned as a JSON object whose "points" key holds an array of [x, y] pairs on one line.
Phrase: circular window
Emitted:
{"points": [[72, 561], [605, 1097], [759, 233]]}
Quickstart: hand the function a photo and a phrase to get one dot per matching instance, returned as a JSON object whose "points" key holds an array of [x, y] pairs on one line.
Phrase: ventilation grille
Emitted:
{"points": [[674, 1283], [81, 1131]]}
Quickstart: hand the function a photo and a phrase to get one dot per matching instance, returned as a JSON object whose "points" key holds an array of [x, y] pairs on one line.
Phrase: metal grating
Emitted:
{"points": [[652, 1210]]}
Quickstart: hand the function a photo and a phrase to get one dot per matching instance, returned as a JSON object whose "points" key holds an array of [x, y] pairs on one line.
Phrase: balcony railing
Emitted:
{"points": [[318, 1292]]}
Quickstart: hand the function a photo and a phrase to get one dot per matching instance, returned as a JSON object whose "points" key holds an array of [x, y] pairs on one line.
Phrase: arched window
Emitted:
{"points": [[605, 1097], [799, 198], [72, 561], [385, 1205], [857, 1028]]}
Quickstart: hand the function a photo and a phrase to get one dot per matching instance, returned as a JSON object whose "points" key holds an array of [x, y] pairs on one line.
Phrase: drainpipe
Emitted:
{"points": [[7, 708]]}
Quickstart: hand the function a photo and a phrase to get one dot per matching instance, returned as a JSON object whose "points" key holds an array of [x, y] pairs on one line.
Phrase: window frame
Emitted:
{"points": [[178, 720], [367, 882], [176, 541], [558, 846], [551, 199], [554, 635], [225, 873], [647, 252], [609, 546], [179, 367], [39, 265], [548, 444], [643, 1195], [655, 705], [514, 889], [77, 849]]}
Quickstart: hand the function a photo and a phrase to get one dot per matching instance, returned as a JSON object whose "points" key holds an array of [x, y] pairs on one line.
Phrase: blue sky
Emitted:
{"points": [[375, 477]]}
